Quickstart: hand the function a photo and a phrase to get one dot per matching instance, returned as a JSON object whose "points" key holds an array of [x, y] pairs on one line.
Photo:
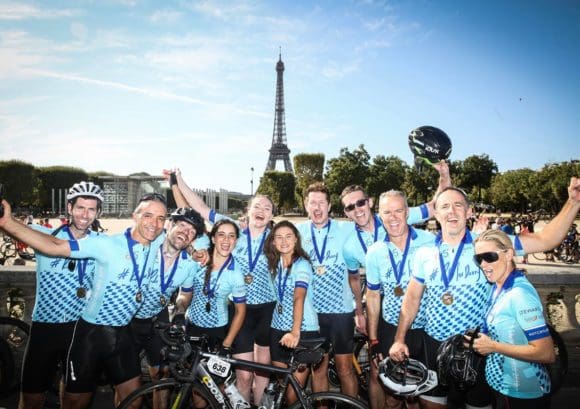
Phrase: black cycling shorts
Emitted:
{"points": [[147, 338], [339, 330], [97, 348], [256, 328], [414, 340], [280, 353], [215, 335], [47, 347]]}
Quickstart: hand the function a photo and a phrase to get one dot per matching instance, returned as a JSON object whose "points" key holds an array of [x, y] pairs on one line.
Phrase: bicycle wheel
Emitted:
{"points": [[15, 333], [559, 368], [331, 400], [6, 369], [170, 393]]}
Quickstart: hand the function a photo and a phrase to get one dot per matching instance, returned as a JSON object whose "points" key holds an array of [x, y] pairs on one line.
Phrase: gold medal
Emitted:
{"points": [[248, 278], [398, 290], [279, 308], [447, 298], [162, 300], [207, 307], [138, 296], [320, 270], [81, 292]]}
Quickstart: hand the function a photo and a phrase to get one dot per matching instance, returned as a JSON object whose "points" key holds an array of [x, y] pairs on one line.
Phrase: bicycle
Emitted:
{"points": [[13, 339], [558, 370], [198, 371]]}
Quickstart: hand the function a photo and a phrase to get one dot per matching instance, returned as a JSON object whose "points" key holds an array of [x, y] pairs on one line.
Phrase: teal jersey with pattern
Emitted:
{"points": [[56, 286], [468, 287], [516, 317], [359, 241], [114, 299], [331, 290], [230, 283], [300, 276], [381, 276], [165, 280], [260, 287]]}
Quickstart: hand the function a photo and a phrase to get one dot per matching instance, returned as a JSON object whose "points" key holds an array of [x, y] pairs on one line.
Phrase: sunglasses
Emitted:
{"points": [[358, 203], [153, 196], [488, 256]]}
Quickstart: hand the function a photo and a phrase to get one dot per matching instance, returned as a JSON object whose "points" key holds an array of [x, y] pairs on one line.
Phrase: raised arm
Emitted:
{"points": [[444, 181], [188, 198], [555, 231], [45, 243]]}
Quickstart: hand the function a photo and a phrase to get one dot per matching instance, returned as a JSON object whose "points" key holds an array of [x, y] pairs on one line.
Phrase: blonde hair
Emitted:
{"points": [[501, 240]]}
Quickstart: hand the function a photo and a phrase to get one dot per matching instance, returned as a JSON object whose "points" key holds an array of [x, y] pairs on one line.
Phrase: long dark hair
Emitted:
{"points": [[211, 248], [272, 254]]}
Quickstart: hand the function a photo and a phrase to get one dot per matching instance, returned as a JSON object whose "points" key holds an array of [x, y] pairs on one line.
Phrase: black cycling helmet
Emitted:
{"points": [[190, 216], [429, 144], [457, 362], [407, 378]]}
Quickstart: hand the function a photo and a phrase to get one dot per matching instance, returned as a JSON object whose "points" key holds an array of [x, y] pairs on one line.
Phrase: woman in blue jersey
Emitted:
{"points": [[516, 340], [294, 316], [212, 286]]}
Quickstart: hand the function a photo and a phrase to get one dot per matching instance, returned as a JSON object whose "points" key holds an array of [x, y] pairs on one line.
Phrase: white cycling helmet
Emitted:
{"points": [[407, 378], [85, 189]]}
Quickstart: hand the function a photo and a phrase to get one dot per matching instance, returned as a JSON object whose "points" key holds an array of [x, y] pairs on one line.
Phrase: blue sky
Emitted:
{"points": [[128, 86]]}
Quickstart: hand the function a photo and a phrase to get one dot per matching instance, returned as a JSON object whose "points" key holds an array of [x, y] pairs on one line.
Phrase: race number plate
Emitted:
{"points": [[218, 367]]}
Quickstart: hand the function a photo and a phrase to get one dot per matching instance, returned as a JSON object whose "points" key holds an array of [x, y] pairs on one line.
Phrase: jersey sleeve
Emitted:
{"points": [[372, 268], [418, 264], [418, 214], [529, 315], [303, 272], [239, 290], [201, 243]]}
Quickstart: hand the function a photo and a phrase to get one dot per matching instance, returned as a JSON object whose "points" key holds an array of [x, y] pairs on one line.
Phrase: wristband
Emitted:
{"points": [[172, 179], [373, 342]]}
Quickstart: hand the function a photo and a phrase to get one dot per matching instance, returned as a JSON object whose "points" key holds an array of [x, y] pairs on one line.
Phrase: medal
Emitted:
{"points": [[207, 307], [81, 292], [447, 298], [138, 296], [162, 300], [319, 254], [398, 290], [248, 278], [279, 308], [320, 270], [138, 277]]}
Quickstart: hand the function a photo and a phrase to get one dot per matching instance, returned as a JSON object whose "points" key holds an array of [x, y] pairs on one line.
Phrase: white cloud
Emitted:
{"points": [[336, 70], [22, 11], [79, 31], [165, 16]]}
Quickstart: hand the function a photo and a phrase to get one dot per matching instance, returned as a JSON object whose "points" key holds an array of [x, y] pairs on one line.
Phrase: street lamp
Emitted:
{"points": [[252, 182]]}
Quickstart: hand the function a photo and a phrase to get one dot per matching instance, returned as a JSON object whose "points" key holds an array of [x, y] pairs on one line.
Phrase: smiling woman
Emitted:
{"points": [[516, 337]]}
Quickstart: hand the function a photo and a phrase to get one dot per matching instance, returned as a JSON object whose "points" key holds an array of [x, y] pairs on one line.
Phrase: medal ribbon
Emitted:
{"points": [[399, 271], [319, 256], [82, 263], [447, 278], [282, 286], [376, 234], [252, 263], [165, 284], [210, 292], [138, 277], [493, 299]]}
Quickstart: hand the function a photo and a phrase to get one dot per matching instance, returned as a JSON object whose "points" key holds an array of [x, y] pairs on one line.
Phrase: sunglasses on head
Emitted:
{"points": [[488, 256], [153, 196], [358, 203]]}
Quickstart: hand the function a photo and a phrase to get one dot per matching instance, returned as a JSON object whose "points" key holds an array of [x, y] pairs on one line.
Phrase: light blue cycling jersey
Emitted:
{"points": [[254, 265], [165, 281], [123, 267], [59, 294], [359, 241], [383, 276], [331, 290], [300, 276], [209, 307], [516, 317], [455, 298]]}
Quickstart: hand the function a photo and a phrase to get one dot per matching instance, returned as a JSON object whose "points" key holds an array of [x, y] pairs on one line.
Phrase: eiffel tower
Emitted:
{"points": [[279, 149]]}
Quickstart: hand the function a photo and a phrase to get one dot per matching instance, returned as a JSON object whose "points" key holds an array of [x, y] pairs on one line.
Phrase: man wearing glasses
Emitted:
{"points": [[102, 337], [457, 292], [62, 288]]}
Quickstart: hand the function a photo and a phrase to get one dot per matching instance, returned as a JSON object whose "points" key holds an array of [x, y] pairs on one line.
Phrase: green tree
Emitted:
{"points": [[21, 183], [308, 168], [57, 177], [420, 186], [279, 186], [385, 173], [510, 190], [349, 168], [550, 185], [475, 173]]}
